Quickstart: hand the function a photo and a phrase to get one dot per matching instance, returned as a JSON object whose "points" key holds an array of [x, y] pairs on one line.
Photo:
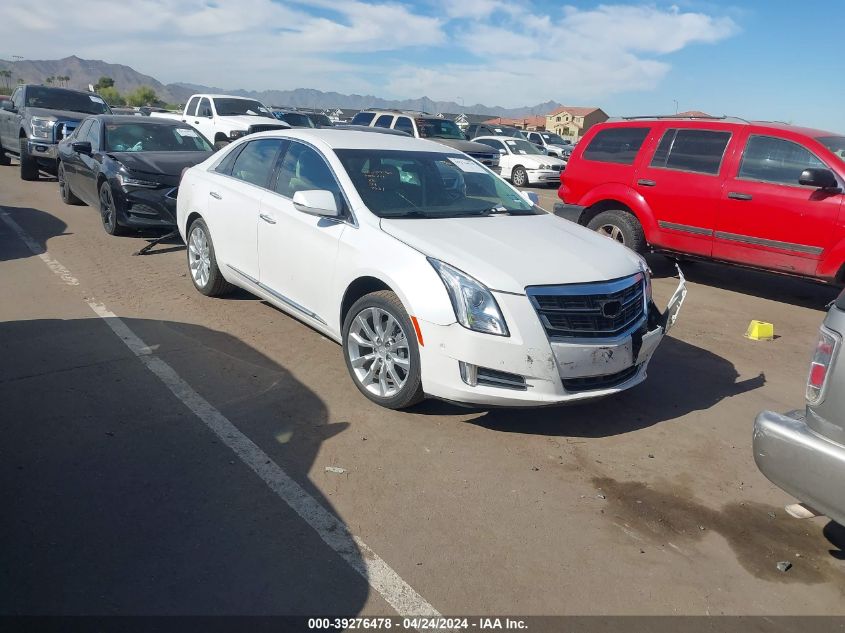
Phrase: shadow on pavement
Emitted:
{"points": [[804, 293], [11, 247], [118, 500], [681, 378]]}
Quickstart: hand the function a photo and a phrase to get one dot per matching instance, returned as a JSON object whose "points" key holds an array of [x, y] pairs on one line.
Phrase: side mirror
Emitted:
{"points": [[502, 152], [81, 147], [531, 196], [7, 105], [818, 177], [316, 202]]}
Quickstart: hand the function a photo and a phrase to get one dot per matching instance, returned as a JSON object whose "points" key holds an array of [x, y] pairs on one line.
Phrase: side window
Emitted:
{"points": [[204, 108], [82, 130], [17, 98], [191, 108], [362, 118], [384, 120], [255, 162], [497, 145], [775, 160], [404, 124], [700, 151], [616, 145], [535, 138], [303, 169], [94, 135], [225, 165]]}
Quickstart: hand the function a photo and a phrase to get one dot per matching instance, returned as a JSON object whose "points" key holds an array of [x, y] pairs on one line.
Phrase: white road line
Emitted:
{"points": [[381, 577]]}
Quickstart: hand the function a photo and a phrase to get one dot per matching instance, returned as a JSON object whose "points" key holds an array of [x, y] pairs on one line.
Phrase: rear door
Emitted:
{"points": [[681, 180], [190, 109], [72, 161], [204, 119], [85, 180], [765, 217]]}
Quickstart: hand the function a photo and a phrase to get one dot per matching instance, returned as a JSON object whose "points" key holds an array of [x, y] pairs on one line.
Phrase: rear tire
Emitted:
{"points": [[620, 226], [519, 177], [29, 166], [202, 262], [68, 197], [381, 352]]}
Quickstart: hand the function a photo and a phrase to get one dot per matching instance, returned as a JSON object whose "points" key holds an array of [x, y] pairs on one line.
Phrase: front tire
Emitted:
{"points": [[202, 262], [68, 197], [108, 211], [381, 351], [620, 226], [519, 177], [29, 166]]}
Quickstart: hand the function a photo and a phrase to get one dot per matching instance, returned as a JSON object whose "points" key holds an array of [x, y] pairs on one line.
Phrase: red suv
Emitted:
{"points": [[767, 195]]}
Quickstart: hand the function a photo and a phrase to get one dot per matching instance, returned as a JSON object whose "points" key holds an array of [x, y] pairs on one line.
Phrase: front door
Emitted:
{"points": [[681, 182], [297, 251], [766, 218]]}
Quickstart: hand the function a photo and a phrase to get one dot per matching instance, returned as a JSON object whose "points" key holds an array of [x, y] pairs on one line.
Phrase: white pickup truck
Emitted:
{"points": [[224, 118]]}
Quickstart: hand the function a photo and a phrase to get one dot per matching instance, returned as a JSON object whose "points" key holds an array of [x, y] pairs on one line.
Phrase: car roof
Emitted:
{"points": [[134, 118], [701, 122], [333, 138]]}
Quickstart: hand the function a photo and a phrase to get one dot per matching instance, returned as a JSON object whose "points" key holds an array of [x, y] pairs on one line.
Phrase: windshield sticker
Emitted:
{"points": [[511, 142], [96, 99], [499, 130], [522, 151], [263, 109], [466, 165], [186, 132]]}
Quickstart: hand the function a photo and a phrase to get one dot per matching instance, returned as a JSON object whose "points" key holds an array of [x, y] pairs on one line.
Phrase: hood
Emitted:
{"points": [[537, 160], [508, 253], [58, 115], [467, 147], [245, 120], [159, 163]]}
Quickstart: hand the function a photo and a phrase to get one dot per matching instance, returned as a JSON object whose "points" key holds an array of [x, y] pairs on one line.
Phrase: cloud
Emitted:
{"points": [[499, 52]]}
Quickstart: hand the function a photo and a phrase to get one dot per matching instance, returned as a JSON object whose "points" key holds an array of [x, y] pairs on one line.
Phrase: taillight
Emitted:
{"points": [[820, 365]]}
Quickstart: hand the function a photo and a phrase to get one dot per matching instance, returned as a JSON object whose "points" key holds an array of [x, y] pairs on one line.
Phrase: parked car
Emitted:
{"points": [[488, 129], [224, 118], [388, 245], [293, 118], [553, 144], [36, 118], [319, 119], [767, 195], [128, 168], [126, 111], [421, 125], [803, 452], [522, 163], [365, 128]]}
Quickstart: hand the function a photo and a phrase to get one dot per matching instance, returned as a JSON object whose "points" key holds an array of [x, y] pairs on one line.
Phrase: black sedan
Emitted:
{"points": [[129, 168]]}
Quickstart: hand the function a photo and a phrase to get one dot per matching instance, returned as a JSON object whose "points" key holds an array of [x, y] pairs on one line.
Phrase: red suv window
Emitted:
{"points": [[698, 151], [616, 145]]}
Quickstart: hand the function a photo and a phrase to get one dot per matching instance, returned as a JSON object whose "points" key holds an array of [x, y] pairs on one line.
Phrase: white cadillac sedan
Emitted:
{"points": [[435, 275], [522, 162]]}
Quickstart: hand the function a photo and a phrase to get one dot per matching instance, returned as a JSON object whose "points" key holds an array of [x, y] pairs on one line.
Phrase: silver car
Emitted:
{"points": [[803, 452]]}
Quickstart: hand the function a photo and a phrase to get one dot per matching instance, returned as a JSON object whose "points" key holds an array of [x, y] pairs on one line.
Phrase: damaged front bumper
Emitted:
{"points": [[529, 369]]}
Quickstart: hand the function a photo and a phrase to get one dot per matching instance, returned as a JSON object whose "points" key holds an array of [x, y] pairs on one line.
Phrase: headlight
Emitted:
{"points": [[475, 307], [41, 127], [543, 166], [237, 133], [128, 181]]}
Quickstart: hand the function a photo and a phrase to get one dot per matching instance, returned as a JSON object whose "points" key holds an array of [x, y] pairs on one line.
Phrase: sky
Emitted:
{"points": [[757, 59]]}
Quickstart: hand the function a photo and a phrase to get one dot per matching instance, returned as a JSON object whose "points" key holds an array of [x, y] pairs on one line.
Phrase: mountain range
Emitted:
{"points": [[83, 72]]}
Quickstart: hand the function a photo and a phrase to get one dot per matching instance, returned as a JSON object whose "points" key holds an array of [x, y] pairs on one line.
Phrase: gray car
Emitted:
{"points": [[803, 452]]}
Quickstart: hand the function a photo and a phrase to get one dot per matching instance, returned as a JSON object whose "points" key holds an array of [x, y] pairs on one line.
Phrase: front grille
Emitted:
{"points": [[264, 128], [591, 383], [63, 129], [485, 159], [557, 167], [596, 310]]}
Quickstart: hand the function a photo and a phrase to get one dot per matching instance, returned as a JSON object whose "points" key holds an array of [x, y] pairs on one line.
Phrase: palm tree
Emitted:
{"points": [[49, 81], [7, 78]]}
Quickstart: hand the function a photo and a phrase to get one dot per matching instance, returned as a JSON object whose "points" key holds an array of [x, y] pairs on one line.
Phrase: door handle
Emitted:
{"points": [[215, 195], [645, 182], [267, 218], [739, 196]]}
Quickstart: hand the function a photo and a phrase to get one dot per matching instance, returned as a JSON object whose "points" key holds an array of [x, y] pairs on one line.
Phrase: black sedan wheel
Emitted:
{"points": [[109, 212], [67, 195]]}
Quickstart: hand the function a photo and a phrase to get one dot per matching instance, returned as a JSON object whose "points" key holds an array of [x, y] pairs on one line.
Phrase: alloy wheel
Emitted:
{"points": [[107, 209], [199, 258], [379, 353], [613, 232]]}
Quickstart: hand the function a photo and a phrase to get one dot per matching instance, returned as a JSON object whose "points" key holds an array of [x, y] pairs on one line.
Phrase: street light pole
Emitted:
{"points": [[676, 105]]}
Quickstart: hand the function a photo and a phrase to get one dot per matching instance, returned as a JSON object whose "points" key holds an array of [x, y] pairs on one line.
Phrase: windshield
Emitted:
{"points": [[295, 119], [321, 120], [153, 137], [554, 139], [234, 107], [59, 99], [406, 184], [835, 144], [439, 128], [518, 146]]}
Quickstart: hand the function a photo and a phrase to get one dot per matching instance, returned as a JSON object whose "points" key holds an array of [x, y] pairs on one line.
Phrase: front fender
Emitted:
{"points": [[629, 197]]}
